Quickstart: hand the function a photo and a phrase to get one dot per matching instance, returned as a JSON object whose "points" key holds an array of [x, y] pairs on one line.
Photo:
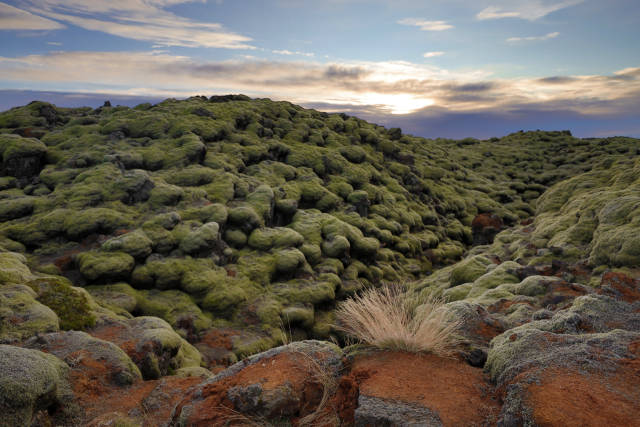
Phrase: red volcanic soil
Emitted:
{"points": [[459, 393], [573, 399], [621, 286]]}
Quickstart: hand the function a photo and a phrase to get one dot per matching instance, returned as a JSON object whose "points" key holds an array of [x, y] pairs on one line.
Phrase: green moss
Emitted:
{"points": [[302, 315], [190, 274], [336, 246], [176, 307], [225, 296], [117, 297], [366, 247], [289, 260], [353, 153], [201, 239], [70, 305], [262, 200], [13, 268], [165, 195], [287, 206], [503, 273], [312, 253], [235, 238], [215, 212], [96, 266], [245, 218], [30, 381], [21, 316], [306, 291], [136, 244], [96, 220], [13, 148], [280, 237], [457, 293], [15, 208], [469, 270], [191, 176]]}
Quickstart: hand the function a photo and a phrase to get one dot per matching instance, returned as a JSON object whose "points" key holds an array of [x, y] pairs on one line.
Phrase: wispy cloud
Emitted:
{"points": [[524, 9], [396, 87], [290, 53], [145, 20], [432, 54], [425, 25], [12, 18], [54, 43], [548, 36]]}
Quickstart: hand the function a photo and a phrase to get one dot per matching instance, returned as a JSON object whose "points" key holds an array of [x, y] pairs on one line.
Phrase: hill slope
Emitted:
{"points": [[229, 211]]}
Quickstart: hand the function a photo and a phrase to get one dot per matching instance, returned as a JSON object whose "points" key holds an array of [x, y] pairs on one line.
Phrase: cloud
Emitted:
{"points": [[432, 54], [12, 18], [397, 87], [548, 36], [145, 20], [290, 53], [524, 9], [425, 25]]}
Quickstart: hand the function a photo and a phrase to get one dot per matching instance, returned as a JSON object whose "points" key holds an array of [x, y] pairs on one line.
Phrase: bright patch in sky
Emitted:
{"points": [[395, 104]]}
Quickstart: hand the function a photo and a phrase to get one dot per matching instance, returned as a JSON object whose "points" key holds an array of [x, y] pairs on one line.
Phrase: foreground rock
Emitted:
{"points": [[567, 370], [32, 381], [413, 389], [292, 382]]}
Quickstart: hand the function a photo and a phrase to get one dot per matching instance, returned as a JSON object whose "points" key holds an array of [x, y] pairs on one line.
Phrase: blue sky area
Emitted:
{"points": [[437, 68]]}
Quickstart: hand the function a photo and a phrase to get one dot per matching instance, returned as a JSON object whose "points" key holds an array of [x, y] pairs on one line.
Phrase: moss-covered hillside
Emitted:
{"points": [[251, 213]]}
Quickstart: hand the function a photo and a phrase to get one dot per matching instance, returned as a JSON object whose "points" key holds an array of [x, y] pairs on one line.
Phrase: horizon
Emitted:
{"points": [[442, 70], [79, 100]]}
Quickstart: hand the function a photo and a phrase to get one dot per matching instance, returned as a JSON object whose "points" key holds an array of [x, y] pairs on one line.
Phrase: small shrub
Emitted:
{"points": [[390, 318]]}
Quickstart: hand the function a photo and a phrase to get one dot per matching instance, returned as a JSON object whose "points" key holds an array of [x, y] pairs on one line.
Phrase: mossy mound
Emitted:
{"points": [[31, 381], [227, 201]]}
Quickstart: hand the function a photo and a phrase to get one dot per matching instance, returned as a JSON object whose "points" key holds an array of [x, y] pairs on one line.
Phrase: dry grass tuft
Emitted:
{"points": [[391, 318]]}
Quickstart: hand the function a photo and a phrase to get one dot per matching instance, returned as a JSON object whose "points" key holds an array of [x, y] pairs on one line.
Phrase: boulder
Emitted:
{"points": [[151, 343], [281, 382], [100, 362], [485, 227], [31, 381], [21, 316]]}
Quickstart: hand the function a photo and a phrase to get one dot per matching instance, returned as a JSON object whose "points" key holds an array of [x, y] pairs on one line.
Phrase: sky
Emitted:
{"points": [[436, 68]]}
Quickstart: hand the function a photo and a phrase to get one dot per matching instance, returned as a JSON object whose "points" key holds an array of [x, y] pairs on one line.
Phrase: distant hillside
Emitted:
{"points": [[232, 212]]}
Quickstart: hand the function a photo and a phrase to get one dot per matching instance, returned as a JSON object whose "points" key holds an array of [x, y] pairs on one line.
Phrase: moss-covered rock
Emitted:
{"points": [[22, 316], [235, 238], [71, 305], [469, 270], [265, 239], [96, 266], [15, 208], [98, 220], [157, 351], [245, 218], [289, 260], [21, 157], [13, 268], [31, 381], [336, 247], [503, 273], [136, 244], [68, 346], [201, 239]]}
